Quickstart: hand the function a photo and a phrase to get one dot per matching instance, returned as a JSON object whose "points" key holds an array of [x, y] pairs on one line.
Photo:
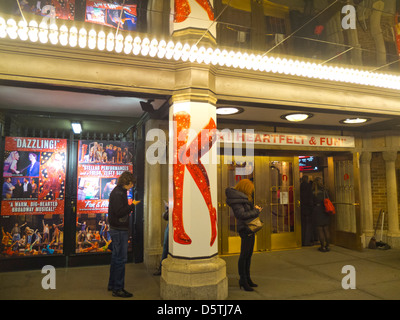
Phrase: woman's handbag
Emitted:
{"points": [[255, 224], [329, 207]]}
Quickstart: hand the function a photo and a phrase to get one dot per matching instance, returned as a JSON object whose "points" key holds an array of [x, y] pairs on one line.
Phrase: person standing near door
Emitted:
{"points": [[322, 218], [118, 217], [306, 201], [240, 199]]}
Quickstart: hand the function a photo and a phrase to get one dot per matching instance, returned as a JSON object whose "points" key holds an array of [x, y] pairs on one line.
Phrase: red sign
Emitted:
{"points": [[34, 176], [100, 163], [285, 139]]}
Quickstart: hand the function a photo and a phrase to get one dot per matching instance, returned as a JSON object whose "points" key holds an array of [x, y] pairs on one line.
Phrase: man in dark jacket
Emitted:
{"points": [[118, 217]]}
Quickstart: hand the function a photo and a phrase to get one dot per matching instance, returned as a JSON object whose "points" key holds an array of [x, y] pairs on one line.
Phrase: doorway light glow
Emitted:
{"points": [[354, 120], [76, 127], [227, 111], [296, 117]]}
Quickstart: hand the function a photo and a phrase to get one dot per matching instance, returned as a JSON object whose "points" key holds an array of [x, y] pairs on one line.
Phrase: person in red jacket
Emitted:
{"points": [[118, 217]]}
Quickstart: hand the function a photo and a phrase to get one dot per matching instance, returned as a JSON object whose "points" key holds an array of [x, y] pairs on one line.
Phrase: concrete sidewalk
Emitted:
{"points": [[301, 274]]}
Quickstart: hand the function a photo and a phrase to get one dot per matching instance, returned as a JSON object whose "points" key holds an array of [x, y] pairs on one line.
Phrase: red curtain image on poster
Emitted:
{"points": [[58, 9], [34, 176], [112, 15], [183, 9], [32, 206], [100, 163]]}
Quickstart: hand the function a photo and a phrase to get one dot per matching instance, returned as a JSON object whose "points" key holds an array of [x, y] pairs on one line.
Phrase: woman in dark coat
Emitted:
{"points": [[321, 218], [240, 199]]}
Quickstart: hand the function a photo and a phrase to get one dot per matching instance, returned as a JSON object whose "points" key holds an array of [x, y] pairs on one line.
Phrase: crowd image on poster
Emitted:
{"points": [[58, 9], [100, 163], [123, 17], [32, 207]]}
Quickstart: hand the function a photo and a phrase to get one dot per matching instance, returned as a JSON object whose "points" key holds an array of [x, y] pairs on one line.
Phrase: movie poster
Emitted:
{"points": [[112, 15], [100, 163], [34, 176], [57, 9]]}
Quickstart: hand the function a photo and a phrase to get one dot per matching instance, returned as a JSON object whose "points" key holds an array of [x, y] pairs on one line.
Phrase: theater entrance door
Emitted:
{"points": [[277, 191], [343, 184]]}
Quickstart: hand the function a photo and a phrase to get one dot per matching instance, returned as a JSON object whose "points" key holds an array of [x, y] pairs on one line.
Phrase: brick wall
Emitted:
{"points": [[378, 186]]}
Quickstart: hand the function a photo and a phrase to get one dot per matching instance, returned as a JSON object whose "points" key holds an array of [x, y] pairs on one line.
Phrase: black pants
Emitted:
{"points": [[307, 233], [246, 251]]}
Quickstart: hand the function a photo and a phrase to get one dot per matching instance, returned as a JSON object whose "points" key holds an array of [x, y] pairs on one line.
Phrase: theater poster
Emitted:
{"points": [[34, 176], [111, 14], [57, 9], [100, 163]]}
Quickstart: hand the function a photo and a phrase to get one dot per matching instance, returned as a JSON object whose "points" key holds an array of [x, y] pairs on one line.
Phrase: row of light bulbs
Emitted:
{"points": [[73, 37]]}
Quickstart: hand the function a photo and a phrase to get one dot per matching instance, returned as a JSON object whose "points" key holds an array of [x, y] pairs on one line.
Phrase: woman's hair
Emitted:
{"points": [[126, 178], [317, 185], [247, 187]]}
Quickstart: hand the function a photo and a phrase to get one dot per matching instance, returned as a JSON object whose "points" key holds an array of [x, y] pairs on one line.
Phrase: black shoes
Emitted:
{"points": [[122, 294], [251, 283]]}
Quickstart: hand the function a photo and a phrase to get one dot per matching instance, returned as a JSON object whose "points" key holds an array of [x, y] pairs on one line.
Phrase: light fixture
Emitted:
{"points": [[296, 117], [76, 127], [147, 106], [247, 61], [354, 120], [226, 111]]}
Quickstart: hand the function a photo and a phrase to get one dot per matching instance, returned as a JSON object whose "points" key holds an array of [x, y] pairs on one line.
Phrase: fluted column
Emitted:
{"points": [[392, 201], [367, 221]]}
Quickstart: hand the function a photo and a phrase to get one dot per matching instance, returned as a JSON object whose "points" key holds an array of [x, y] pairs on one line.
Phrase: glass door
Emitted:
{"points": [[344, 189], [230, 173], [283, 205]]}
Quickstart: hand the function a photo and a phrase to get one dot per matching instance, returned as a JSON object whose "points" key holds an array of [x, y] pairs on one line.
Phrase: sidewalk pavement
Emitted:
{"points": [[300, 274]]}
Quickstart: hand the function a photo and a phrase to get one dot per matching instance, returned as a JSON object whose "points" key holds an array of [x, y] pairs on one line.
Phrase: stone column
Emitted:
{"points": [[392, 201], [193, 269], [367, 221], [153, 204]]}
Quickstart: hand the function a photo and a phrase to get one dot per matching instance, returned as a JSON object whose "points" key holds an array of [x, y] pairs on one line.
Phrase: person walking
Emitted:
{"points": [[240, 199], [118, 217], [322, 218]]}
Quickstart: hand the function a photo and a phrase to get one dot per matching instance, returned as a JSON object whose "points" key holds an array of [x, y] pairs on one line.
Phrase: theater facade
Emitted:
{"points": [[265, 90]]}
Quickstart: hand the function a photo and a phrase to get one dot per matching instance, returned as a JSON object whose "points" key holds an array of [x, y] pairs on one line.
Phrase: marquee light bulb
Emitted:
{"points": [[178, 51], [3, 28], [101, 40], [22, 30], [110, 41], [92, 39], [53, 33], [33, 31], [82, 38], [128, 44], [161, 49], [119, 43], [12, 29], [153, 48]]}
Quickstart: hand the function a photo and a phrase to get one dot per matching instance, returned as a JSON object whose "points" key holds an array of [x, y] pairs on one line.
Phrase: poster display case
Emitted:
{"points": [[33, 196], [100, 163]]}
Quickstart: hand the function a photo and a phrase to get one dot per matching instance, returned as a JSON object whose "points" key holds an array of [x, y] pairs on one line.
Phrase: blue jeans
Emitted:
{"points": [[165, 245], [119, 257]]}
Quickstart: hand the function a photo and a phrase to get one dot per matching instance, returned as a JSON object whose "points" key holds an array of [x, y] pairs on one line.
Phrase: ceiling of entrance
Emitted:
{"points": [[55, 109]]}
